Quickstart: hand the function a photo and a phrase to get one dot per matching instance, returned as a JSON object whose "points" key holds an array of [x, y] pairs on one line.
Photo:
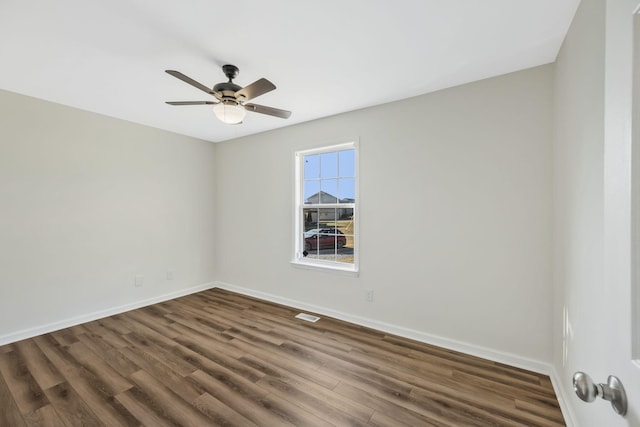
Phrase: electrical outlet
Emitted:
{"points": [[369, 296], [170, 275], [139, 280]]}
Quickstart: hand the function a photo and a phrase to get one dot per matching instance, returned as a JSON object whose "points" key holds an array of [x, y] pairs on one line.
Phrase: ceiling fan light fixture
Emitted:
{"points": [[229, 112]]}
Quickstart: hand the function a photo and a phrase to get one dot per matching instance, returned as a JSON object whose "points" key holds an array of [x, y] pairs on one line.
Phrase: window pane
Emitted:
{"points": [[312, 166], [321, 254], [345, 255], [346, 241], [347, 190], [329, 192], [347, 162], [345, 214], [311, 192], [310, 217], [346, 226], [328, 217], [329, 165]]}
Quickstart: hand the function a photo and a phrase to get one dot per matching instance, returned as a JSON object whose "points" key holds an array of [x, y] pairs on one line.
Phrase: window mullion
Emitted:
{"points": [[329, 205]]}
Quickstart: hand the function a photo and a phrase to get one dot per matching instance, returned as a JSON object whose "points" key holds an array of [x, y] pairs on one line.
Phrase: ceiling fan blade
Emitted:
{"points": [[189, 80], [191, 102], [255, 89], [284, 114]]}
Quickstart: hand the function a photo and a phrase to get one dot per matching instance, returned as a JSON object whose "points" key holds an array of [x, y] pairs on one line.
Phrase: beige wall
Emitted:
{"points": [[87, 202], [455, 205]]}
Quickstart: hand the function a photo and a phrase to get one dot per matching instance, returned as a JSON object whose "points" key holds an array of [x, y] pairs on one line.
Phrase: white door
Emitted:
{"points": [[619, 310]]}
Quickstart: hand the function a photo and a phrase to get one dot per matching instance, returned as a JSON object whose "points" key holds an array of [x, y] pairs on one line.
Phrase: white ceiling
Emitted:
{"points": [[325, 57]]}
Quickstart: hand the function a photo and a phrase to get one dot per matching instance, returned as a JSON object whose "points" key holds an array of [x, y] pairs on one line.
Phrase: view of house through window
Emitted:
{"points": [[326, 212]]}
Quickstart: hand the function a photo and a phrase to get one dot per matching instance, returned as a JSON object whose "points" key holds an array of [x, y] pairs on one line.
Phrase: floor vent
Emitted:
{"points": [[307, 317]]}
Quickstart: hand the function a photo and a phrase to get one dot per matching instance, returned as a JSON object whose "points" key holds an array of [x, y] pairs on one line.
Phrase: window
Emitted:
{"points": [[326, 216]]}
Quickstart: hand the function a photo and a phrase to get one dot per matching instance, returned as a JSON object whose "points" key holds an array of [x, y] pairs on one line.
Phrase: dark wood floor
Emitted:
{"points": [[219, 358]]}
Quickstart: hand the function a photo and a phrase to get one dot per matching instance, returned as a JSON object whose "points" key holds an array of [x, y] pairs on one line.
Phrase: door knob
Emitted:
{"points": [[612, 391]]}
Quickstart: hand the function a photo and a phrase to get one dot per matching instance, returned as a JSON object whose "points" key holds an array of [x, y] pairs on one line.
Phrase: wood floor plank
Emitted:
{"points": [[514, 390], [44, 417], [446, 386], [221, 413], [88, 387], [207, 341], [547, 412], [406, 365], [340, 403], [71, 408], [191, 325], [161, 353], [44, 372], [25, 390], [172, 406], [254, 335], [9, 414], [144, 332], [106, 333], [401, 414], [141, 408], [98, 398], [112, 356], [63, 362], [276, 357], [293, 327], [160, 325], [379, 419], [220, 358], [249, 405], [473, 413], [64, 336], [113, 326], [170, 378], [195, 316], [309, 402], [436, 409], [255, 403], [89, 360], [7, 348]]}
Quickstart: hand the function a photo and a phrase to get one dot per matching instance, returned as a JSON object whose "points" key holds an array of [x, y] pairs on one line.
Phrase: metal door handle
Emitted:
{"points": [[612, 391]]}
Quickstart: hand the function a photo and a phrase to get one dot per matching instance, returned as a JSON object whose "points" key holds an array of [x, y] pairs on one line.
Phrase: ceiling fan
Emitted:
{"points": [[230, 99]]}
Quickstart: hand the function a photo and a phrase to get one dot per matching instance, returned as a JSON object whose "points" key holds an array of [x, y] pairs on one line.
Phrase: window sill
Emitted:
{"points": [[327, 268]]}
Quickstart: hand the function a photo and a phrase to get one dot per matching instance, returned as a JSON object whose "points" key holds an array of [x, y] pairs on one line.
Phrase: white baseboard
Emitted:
{"points": [[563, 397], [65, 323], [472, 349]]}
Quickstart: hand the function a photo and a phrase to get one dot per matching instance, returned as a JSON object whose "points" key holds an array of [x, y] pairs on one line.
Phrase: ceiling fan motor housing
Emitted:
{"points": [[231, 71], [226, 87]]}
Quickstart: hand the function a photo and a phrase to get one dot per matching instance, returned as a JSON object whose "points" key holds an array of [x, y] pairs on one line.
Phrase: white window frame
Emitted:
{"points": [[299, 259]]}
